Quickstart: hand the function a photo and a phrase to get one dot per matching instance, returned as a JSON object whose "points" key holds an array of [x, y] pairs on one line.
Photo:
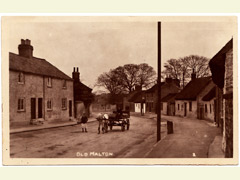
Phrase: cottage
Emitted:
{"points": [[139, 101], [169, 86], [38, 90], [83, 96], [168, 104], [221, 66], [189, 102]]}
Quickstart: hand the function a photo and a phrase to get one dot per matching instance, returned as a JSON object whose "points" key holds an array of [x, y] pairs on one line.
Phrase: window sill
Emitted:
{"points": [[64, 109], [49, 86], [49, 110], [21, 110], [64, 88], [20, 82]]}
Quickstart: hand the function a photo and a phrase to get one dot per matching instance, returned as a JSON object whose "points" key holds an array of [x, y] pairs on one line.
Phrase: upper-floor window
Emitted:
{"points": [[161, 106], [190, 106], [210, 108], [49, 82], [178, 107], [64, 84], [64, 103], [21, 104], [20, 78]]}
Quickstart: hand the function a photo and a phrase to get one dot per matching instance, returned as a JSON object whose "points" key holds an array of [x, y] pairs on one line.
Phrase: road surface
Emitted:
{"points": [[71, 142]]}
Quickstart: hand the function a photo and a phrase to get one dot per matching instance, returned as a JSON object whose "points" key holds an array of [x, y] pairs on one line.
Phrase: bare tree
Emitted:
{"points": [[146, 75], [183, 67]]}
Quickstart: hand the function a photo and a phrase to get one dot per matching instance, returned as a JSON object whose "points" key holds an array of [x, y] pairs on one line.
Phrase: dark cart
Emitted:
{"points": [[119, 120]]}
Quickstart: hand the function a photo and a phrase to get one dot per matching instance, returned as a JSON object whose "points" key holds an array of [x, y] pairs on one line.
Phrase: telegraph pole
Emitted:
{"points": [[159, 85]]}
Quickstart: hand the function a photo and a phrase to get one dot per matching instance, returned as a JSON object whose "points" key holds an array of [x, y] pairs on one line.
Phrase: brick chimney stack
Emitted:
{"points": [[25, 49], [193, 75], [76, 74]]}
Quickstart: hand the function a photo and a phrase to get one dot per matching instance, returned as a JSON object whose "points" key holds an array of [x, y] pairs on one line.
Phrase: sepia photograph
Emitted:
{"points": [[120, 90]]}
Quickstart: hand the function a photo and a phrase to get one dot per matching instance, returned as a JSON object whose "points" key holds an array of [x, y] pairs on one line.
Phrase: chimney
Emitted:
{"points": [[25, 49], [168, 79], [193, 75], [76, 74]]}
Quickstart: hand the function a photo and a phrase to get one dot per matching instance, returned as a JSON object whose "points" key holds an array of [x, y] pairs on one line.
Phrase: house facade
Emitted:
{"points": [[168, 104], [169, 86], [189, 102], [221, 66], [37, 89]]}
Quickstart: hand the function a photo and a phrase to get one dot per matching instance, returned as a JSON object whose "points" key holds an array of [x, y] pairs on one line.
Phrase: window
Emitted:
{"points": [[20, 78], [161, 106], [210, 108], [190, 106], [177, 106], [205, 108], [64, 84], [21, 104], [49, 82], [49, 104], [64, 103]]}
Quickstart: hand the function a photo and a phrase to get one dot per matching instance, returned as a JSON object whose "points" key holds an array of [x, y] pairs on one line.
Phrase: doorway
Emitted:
{"points": [[70, 108], [33, 108], [40, 114], [185, 109]]}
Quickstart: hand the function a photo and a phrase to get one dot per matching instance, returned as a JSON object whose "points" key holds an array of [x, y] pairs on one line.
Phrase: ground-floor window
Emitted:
{"points": [[205, 108], [178, 106], [64, 103], [21, 104]]}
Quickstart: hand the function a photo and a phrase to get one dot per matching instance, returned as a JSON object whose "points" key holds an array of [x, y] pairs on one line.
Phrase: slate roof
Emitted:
{"points": [[168, 97], [35, 66], [137, 98], [210, 95], [193, 88], [217, 64]]}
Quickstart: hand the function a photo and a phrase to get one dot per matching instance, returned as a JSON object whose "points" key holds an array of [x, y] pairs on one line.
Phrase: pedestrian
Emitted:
{"points": [[84, 121]]}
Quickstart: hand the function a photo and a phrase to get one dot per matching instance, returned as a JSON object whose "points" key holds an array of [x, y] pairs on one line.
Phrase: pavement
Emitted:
{"points": [[46, 125], [192, 138]]}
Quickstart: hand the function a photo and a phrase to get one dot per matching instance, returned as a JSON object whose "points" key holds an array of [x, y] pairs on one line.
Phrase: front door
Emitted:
{"points": [[33, 108], [185, 109], [70, 108], [40, 108]]}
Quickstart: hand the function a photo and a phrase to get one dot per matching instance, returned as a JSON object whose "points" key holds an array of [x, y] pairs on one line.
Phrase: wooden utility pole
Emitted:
{"points": [[159, 85]]}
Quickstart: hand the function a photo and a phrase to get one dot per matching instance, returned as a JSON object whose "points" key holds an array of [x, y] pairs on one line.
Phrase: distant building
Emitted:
{"points": [[189, 102], [221, 66], [38, 90], [168, 104], [169, 86], [83, 96], [139, 101]]}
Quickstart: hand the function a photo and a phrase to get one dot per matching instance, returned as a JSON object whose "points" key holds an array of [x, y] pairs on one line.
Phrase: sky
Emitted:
{"points": [[99, 45]]}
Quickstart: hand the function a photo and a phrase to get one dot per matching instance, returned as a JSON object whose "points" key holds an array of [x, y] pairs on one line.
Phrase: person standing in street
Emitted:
{"points": [[84, 121]]}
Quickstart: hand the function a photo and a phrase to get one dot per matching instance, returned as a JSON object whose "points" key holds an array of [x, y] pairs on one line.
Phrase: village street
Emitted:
{"points": [[191, 138], [71, 142]]}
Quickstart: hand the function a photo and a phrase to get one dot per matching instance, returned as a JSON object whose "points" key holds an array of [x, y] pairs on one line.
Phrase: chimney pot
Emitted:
{"points": [[22, 41], [77, 69]]}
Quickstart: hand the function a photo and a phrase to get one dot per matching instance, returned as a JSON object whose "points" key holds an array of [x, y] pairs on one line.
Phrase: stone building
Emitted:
{"points": [[221, 66], [168, 104], [189, 102], [83, 96], [169, 86], [38, 90]]}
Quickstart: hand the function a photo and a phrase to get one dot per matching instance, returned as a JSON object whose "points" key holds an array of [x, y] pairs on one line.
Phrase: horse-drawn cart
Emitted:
{"points": [[119, 119]]}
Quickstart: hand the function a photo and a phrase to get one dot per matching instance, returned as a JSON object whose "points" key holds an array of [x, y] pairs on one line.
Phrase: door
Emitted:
{"points": [[33, 108], [185, 109], [70, 108], [40, 108]]}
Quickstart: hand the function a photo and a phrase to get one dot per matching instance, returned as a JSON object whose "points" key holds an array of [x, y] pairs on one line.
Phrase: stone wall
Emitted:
{"points": [[31, 88], [228, 105]]}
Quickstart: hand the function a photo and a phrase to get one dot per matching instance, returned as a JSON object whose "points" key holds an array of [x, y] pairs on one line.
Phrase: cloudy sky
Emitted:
{"points": [[96, 46]]}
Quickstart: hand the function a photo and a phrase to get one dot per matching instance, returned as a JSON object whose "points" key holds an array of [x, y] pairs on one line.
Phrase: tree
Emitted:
{"points": [[182, 68], [123, 79]]}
